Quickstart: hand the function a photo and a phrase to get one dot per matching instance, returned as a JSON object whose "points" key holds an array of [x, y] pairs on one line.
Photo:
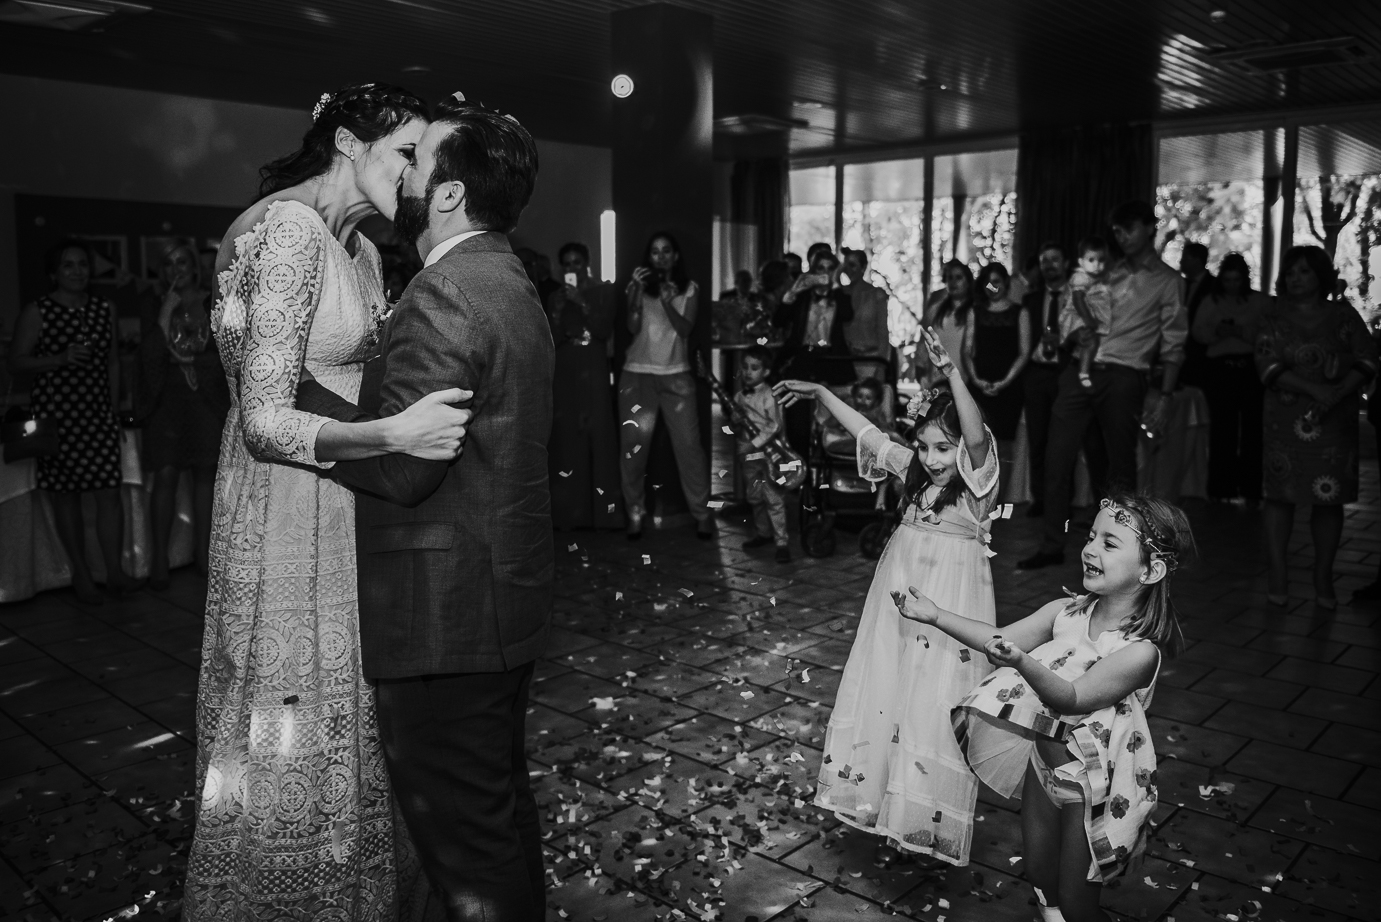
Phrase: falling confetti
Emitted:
{"points": [[565, 473]]}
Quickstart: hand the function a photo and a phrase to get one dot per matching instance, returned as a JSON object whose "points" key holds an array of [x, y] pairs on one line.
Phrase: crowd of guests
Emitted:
{"points": [[1071, 346]]}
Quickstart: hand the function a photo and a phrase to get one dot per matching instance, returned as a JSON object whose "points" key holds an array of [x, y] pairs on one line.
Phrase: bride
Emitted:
{"points": [[296, 819]]}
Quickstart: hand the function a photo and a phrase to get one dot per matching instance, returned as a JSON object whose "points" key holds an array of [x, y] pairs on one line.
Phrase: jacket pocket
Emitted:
{"points": [[410, 536]]}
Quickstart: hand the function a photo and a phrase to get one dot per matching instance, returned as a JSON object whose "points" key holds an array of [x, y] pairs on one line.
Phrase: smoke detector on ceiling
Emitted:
{"points": [[67, 15], [1267, 59]]}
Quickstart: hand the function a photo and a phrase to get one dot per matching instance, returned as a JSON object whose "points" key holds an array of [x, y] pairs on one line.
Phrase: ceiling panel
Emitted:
{"points": [[879, 72]]}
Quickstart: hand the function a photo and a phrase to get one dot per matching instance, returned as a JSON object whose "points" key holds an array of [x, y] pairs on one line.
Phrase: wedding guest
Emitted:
{"points": [[583, 452], [1313, 353], [816, 249], [1044, 304], [949, 312], [1198, 285], [813, 312], [1148, 320], [774, 280], [998, 350], [657, 382], [1226, 327], [793, 263], [183, 402], [67, 340], [743, 287], [866, 333], [539, 276], [1027, 280]]}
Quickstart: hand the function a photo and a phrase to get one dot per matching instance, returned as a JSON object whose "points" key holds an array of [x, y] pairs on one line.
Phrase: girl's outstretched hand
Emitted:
{"points": [[1002, 652], [917, 608], [939, 356], [789, 391]]}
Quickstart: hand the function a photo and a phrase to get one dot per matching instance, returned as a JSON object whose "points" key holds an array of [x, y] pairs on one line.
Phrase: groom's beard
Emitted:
{"points": [[412, 217]]}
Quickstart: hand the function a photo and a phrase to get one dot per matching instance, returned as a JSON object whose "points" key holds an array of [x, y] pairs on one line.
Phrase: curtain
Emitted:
{"points": [[1069, 179], [757, 191]]}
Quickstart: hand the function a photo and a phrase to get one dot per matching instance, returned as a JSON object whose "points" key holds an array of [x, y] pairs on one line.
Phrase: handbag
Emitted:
{"points": [[24, 436]]}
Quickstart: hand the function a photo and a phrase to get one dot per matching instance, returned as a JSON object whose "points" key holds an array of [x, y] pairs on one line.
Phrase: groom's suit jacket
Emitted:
{"points": [[456, 559]]}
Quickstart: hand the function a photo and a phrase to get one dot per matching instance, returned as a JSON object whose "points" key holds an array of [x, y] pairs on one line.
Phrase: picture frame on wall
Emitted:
{"points": [[110, 258], [152, 249]]}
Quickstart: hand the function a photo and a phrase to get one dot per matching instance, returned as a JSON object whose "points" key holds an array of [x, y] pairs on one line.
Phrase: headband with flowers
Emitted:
{"points": [[919, 405], [1154, 543]]}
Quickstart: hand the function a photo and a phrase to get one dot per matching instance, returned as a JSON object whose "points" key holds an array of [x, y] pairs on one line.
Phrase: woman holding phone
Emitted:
{"points": [[662, 304]]}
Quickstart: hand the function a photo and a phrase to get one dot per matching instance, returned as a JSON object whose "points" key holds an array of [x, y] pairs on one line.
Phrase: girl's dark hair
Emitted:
{"points": [[1319, 263], [1234, 262], [678, 276], [945, 415], [369, 111], [52, 258], [947, 307], [1167, 528]]}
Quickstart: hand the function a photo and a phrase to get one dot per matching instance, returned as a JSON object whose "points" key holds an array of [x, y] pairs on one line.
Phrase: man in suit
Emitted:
{"points": [[455, 559]]}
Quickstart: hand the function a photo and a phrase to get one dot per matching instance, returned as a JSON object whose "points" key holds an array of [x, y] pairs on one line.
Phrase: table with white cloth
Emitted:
{"points": [[31, 556], [1171, 466]]}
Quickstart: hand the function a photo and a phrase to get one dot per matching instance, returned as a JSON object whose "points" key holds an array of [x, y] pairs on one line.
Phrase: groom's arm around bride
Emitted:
{"points": [[456, 559]]}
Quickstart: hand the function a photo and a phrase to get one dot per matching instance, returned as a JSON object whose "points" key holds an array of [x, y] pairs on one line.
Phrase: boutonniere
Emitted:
{"points": [[381, 314]]}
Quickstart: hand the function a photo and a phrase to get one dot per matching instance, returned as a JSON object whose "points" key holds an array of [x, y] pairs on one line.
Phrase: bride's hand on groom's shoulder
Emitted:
{"points": [[431, 428]]}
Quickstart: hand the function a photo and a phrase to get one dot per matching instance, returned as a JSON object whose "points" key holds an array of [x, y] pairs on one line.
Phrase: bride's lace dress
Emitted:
{"points": [[296, 819]]}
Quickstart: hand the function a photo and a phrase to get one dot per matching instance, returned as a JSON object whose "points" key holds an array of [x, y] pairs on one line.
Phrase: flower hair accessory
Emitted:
{"points": [[919, 405], [321, 105], [1155, 544]]}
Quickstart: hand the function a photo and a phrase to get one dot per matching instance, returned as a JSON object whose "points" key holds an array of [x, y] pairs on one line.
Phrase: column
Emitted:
{"points": [[663, 176]]}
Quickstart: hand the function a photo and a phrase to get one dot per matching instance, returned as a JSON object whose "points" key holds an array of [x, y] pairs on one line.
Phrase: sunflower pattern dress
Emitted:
{"points": [[1311, 458]]}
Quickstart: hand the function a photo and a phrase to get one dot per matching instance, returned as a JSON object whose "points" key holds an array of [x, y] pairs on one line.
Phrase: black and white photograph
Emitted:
{"points": [[690, 461]]}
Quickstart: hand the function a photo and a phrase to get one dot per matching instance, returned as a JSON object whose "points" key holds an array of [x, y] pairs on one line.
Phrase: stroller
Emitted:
{"points": [[833, 487]]}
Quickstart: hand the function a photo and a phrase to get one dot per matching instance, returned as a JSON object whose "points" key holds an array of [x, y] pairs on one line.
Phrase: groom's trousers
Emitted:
{"points": [[456, 759]]}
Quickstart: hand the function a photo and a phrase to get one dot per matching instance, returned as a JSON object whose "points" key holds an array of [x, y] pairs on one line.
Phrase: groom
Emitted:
{"points": [[456, 559]]}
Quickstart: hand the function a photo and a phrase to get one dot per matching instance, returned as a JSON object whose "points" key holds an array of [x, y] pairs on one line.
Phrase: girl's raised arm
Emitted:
{"points": [[789, 391], [970, 417]]}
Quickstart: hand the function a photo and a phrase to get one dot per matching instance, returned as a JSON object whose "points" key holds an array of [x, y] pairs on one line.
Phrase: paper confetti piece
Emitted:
{"points": [[647, 559], [611, 507], [746, 695], [599, 490], [773, 600], [637, 407], [632, 422], [716, 504], [790, 465], [603, 704], [795, 757], [572, 548], [618, 596], [921, 768], [686, 592], [964, 655], [727, 430], [805, 676]]}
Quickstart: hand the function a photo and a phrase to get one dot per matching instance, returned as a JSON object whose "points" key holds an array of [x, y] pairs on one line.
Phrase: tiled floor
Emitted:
{"points": [[675, 735]]}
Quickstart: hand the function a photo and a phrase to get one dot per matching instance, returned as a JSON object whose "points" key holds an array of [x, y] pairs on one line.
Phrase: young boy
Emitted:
{"points": [[766, 497], [1090, 301]]}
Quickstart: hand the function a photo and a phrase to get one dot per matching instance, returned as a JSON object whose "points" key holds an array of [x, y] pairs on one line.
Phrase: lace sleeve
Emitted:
{"points": [[982, 482], [879, 456], [284, 285]]}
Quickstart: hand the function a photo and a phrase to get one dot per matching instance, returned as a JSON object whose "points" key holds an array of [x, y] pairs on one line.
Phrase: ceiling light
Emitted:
{"points": [[68, 15], [807, 104], [622, 86], [1218, 16], [417, 69], [756, 123]]}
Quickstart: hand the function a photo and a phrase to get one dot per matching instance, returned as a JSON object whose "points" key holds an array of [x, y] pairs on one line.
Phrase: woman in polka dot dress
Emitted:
{"points": [[67, 341]]}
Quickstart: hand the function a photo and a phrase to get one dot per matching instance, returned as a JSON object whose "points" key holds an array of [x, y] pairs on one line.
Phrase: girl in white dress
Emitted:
{"points": [[296, 819], [891, 764], [1062, 725]]}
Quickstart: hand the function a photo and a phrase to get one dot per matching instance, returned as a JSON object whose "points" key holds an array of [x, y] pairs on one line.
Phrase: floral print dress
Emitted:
{"points": [[1311, 458], [999, 722]]}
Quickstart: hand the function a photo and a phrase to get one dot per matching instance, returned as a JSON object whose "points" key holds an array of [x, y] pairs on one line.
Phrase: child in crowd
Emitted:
{"points": [[767, 497], [1090, 302], [1069, 704], [865, 396], [891, 764]]}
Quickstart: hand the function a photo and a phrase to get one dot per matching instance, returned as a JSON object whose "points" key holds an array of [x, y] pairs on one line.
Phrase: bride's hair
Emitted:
{"points": [[369, 111]]}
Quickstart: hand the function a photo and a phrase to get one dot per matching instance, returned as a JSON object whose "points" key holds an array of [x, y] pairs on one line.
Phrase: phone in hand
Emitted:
{"points": [[572, 280]]}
